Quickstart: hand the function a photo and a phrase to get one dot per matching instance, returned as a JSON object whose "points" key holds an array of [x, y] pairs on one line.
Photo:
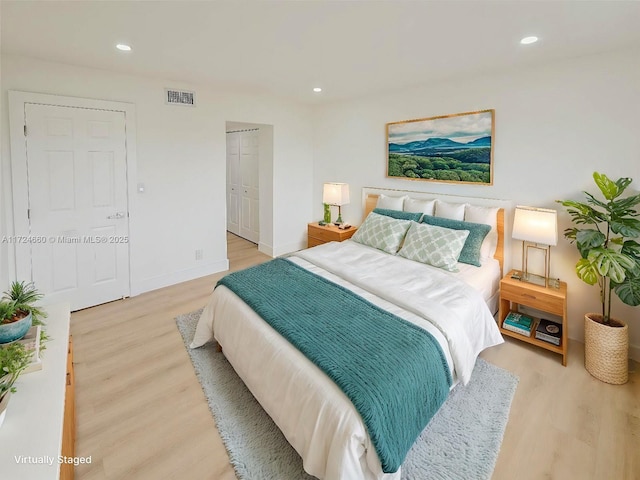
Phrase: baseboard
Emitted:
{"points": [[266, 249], [180, 276]]}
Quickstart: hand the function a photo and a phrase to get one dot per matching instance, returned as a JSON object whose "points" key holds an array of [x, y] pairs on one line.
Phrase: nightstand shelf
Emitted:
{"points": [[319, 234], [545, 299]]}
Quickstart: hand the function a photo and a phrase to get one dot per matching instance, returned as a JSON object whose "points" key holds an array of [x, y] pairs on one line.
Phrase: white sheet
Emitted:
{"points": [[315, 416], [484, 279]]}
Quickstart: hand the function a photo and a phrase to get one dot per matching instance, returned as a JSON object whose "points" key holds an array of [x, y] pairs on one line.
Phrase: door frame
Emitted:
{"points": [[21, 268]]}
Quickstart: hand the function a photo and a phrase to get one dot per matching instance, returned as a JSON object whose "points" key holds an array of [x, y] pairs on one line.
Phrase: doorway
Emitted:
{"points": [[243, 185]]}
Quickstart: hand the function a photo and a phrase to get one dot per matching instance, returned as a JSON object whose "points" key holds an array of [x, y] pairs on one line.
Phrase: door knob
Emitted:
{"points": [[116, 216]]}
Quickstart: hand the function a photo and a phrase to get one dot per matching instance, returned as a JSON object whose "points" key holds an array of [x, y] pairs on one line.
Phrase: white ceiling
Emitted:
{"points": [[349, 48]]}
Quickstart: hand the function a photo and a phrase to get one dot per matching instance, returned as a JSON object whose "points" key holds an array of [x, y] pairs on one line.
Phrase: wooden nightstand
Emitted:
{"points": [[318, 235], [546, 299]]}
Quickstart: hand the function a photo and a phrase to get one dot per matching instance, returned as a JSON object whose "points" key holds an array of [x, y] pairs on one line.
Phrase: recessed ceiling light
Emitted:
{"points": [[528, 40], [317, 89], [123, 47]]}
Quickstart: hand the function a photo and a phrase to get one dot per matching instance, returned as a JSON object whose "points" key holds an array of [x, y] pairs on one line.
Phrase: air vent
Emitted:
{"points": [[179, 97]]}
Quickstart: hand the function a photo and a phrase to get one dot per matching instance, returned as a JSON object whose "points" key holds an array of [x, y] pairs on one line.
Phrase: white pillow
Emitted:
{"points": [[488, 216], [453, 211], [391, 203], [382, 232], [436, 246], [415, 205]]}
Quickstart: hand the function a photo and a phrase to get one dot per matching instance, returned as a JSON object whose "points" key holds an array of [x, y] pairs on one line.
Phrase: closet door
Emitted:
{"points": [[233, 182], [249, 192]]}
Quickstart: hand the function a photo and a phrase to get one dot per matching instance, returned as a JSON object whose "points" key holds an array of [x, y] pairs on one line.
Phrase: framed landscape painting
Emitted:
{"points": [[451, 148]]}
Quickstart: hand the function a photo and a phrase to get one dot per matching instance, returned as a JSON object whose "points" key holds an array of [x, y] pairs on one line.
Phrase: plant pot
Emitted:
{"points": [[4, 401], [606, 349], [15, 330]]}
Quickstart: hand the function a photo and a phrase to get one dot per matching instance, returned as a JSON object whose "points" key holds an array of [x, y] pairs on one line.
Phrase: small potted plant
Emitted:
{"points": [[14, 359], [610, 257], [18, 311]]}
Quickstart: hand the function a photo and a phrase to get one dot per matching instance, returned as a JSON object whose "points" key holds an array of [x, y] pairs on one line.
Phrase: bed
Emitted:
{"points": [[314, 414]]}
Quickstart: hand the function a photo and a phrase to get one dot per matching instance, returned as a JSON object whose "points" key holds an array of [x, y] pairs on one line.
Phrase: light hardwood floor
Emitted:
{"points": [[142, 415]]}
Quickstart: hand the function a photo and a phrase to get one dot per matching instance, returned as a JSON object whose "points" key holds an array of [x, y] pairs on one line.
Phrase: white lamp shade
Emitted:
{"points": [[335, 193], [537, 225]]}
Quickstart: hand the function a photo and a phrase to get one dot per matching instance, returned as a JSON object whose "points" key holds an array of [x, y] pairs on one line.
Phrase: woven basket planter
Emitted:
{"points": [[606, 349]]}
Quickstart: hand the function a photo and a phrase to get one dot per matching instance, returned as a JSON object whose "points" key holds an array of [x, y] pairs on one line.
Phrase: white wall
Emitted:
{"points": [[4, 247], [555, 124], [181, 159]]}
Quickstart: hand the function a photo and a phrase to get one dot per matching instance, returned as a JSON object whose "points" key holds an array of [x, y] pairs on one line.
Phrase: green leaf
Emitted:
{"points": [[583, 213], [571, 233], [590, 238], [622, 184], [594, 201], [587, 271], [626, 206], [608, 188], [587, 240], [627, 227], [631, 248], [629, 291], [611, 264]]}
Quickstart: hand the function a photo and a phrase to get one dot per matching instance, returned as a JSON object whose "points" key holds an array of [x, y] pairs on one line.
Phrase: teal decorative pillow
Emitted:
{"points": [[436, 246], [471, 252], [381, 232], [399, 215]]}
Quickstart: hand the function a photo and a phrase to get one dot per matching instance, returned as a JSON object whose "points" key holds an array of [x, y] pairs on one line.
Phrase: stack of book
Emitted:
{"points": [[516, 322], [549, 331]]}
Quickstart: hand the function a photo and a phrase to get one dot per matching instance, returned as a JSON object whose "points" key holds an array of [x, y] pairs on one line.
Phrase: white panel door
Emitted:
{"points": [[233, 182], [249, 207], [78, 209]]}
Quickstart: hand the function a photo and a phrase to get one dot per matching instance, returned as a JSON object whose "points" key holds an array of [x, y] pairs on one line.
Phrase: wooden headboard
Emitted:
{"points": [[370, 199]]}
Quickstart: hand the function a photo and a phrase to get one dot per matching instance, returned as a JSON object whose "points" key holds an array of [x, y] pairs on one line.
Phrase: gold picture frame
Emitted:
{"points": [[454, 148]]}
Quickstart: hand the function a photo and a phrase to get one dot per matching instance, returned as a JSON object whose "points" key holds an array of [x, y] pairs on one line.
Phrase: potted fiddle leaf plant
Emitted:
{"points": [[610, 258], [18, 311]]}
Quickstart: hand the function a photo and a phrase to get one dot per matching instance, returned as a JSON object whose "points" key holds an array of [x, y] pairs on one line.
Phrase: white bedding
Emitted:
{"points": [[315, 416], [484, 279]]}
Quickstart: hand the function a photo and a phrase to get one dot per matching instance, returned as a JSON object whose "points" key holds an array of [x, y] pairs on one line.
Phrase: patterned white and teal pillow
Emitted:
{"points": [[382, 232], [472, 251], [436, 246]]}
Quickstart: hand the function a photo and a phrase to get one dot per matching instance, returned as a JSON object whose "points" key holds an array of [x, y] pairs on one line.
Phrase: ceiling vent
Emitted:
{"points": [[179, 97]]}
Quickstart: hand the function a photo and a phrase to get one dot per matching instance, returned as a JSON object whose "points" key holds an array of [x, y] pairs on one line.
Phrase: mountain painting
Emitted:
{"points": [[453, 148]]}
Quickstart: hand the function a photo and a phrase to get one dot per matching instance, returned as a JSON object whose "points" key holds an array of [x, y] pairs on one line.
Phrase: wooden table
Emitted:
{"points": [[547, 299], [318, 234]]}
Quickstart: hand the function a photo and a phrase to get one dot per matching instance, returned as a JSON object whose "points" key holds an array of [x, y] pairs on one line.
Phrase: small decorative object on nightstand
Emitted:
{"points": [[551, 300], [327, 213], [317, 235]]}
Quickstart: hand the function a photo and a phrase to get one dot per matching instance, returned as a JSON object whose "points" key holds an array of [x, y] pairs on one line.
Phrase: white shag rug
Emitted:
{"points": [[462, 440]]}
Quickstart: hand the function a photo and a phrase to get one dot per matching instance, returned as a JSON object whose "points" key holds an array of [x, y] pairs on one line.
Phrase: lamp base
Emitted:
{"points": [[535, 279], [538, 280]]}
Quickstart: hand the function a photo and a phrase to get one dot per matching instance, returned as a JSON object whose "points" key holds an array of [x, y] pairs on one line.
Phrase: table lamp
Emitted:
{"points": [[537, 228], [336, 194]]}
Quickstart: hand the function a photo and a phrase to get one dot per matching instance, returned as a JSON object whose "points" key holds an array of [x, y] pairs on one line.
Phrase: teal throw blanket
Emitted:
{"points": [[394, 373]]}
